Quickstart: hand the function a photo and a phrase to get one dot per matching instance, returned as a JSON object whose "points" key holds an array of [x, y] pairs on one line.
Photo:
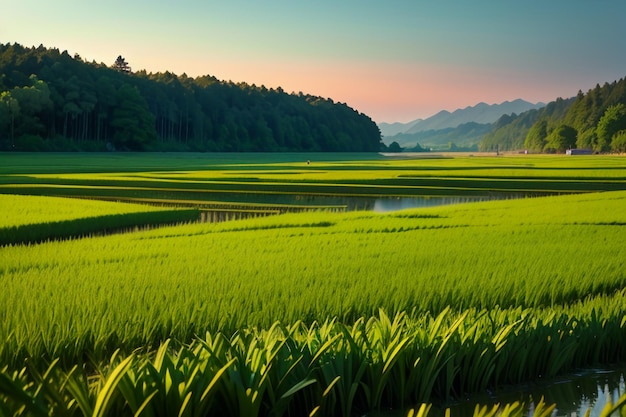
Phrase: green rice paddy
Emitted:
{"points": [[310, 313]]}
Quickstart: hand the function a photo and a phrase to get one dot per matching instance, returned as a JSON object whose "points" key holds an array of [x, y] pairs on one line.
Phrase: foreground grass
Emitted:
{"points": [[328, 368]]}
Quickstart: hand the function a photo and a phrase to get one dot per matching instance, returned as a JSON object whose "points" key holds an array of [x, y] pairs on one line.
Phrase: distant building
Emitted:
{"points": [[579, 152]]}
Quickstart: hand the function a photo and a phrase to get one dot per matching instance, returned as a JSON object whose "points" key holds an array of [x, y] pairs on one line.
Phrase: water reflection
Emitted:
{"points": [[573, 395], [285, 201], [344, 202], [386, 204]]}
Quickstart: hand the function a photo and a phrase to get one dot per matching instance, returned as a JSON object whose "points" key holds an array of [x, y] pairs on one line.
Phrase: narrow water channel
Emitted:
{"points": [[250, 205], [573, 395], [351, 203], [386, 204]]}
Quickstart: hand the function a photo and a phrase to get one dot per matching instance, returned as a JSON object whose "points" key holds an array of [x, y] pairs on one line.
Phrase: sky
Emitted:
{"points": [[394, 60]]}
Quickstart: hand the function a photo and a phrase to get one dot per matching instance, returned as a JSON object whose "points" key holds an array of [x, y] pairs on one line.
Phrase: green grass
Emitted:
{"points": [[197, 176], [180, 281], [313, 313], [32, 219], [327, 368], [18, 210]]}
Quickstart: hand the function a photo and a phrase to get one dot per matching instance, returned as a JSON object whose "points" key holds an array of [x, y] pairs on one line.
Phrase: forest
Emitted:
{"points": [[51, 101], [595, 121]]}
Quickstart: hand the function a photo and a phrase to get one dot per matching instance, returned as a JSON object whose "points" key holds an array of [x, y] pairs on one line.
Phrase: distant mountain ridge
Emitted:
{"points": [[391, 129], [481, 113], [467, 135]]}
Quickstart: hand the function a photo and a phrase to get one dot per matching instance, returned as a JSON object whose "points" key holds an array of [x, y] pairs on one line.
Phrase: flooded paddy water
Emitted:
{"points": [[355, 203], [228, 206], [574, 394]]}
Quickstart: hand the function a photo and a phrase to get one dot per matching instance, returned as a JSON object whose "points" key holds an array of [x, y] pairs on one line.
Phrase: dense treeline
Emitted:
{"points": [[50, 100], [595, 121]]}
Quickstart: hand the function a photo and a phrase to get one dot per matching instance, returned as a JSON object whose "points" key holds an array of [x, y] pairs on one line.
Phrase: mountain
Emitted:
{"points": [[481, 113], [464, 135], [390, 129]]}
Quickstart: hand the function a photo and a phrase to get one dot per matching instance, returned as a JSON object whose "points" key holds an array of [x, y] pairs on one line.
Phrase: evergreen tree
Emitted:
{"points": [[9, 111], [89, 105], [121, 65], [583, 113], [133, 124]]}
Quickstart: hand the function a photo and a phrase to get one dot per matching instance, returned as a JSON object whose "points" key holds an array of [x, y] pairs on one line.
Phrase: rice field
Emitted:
{"points": [[313, 313], [31, 219], [198, 177], [18, 210]]}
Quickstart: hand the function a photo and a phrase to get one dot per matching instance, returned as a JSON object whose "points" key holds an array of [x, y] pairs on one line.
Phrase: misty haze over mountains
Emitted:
{"points": [[481, 113]]}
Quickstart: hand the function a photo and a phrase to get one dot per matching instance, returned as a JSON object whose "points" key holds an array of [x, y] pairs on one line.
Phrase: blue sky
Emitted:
{"points": [[393, 60]]}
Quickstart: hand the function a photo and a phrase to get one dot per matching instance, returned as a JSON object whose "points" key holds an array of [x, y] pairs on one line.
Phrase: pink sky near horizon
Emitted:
{"points": [[384, 90], [395, 61], [403, 93]]}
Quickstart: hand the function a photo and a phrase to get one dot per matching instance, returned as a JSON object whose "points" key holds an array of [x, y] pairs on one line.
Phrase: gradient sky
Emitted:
{"points": [[394, 60]]}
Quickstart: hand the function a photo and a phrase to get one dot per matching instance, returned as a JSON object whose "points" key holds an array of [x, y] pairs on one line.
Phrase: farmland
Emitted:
{"points": [[321, 312]]}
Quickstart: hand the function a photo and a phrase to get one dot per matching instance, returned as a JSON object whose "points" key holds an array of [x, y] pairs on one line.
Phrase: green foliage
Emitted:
{"points": [[21, 210], [327, 368], [612, 122], [306, 314], [356, 262], [561, 139], [121, 65], [394, 147], [464, 135], [89, 103], [510, 132], [618, 143], [536, 138], [92, 225], [9, 111], [131, 120], [584, 113]]}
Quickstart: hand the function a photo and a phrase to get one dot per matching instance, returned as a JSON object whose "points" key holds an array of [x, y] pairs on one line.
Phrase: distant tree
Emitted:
{"points": [[9, 111], [536, 137], [132, 122], [417, 148], [618, 144], [34, 100], [121, 65], [613, 121], [394, 147], [561, 139], [93, 104]]}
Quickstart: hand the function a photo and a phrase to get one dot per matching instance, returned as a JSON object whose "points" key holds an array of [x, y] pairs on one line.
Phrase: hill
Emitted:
{"points": [[57, 102], [466, 135], [391, 129], [595, 121], [481, 113]]}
